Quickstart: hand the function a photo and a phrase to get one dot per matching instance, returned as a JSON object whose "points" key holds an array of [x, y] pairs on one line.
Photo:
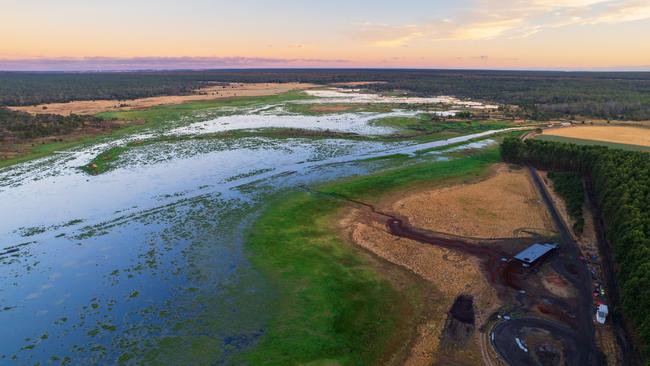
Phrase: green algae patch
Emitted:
{"points": [[336, 306], [104, 161]]}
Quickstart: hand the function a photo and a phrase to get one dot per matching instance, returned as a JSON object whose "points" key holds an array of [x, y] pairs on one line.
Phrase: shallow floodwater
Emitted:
{"points": [[345, 122], [149, 257], [337, 95]]}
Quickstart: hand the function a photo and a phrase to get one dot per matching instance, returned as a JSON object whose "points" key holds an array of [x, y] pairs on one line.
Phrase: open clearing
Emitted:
{"points": [[615, 134], [500, 206], [453, 274], [208, 93]]}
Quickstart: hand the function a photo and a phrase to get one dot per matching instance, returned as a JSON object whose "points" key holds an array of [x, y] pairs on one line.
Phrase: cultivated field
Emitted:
{"points": [[504, 205], [208, 93], [614, 134]]}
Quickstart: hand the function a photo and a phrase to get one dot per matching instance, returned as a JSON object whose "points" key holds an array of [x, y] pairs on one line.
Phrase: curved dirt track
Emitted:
{"points": [[505, 333], [572, 324]]}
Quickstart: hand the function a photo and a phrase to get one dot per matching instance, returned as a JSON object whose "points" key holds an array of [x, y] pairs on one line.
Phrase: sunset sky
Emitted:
{"points": [[132, 34]]}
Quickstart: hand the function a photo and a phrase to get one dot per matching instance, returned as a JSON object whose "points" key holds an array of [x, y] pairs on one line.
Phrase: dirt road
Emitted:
{"points": [[572, 324]]}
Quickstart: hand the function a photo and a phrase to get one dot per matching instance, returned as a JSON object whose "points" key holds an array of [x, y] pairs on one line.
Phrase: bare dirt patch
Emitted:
{"points": [[617, 134], [207, 93], [358, 83], [504, 205], [452, 273], [331, 108], [558, 286]]}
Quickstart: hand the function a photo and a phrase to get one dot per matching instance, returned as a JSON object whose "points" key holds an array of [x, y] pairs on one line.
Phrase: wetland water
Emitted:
{"points": [[149, 257]]}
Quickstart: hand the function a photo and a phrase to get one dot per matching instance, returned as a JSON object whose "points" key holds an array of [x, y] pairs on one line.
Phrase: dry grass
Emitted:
{"points": [[495, 207], [358, 83], [208, 93], [451, 273], [325, 108], [616, 134]]}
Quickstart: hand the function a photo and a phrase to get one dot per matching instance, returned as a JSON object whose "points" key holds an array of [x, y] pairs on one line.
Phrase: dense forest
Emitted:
{"points": [[621, 184], [19, 126], [569, 187], [613, 95]]}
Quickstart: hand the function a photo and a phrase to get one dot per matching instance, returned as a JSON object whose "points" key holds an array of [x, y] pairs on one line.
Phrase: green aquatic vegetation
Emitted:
{"points": [[31, 231], [36, 230], [93, 332], [108, 327], [334, 305], [319, 109], [104, 161], [427, 124], [174, 112], [73, 222], [153, 118]]}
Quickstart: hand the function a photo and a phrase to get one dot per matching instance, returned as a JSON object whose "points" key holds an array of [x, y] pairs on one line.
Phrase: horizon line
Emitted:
{"points": [[202, 63]]}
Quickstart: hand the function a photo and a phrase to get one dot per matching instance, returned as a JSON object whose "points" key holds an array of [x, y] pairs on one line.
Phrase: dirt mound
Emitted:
{"points": [[547, 355], [459, 326], [452, 273], [463, 309]]}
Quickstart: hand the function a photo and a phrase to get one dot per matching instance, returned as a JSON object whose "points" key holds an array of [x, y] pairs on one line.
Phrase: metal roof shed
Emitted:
{"points": [[534, 252]]}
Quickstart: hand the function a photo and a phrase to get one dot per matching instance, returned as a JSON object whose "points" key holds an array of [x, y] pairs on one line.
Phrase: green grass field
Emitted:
{"points": [[335, 308], [152, 118], [174, 112], [424, 124], [612, 145]]}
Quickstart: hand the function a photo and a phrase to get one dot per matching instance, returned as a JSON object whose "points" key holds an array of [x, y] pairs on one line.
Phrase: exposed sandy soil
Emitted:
{"points": [[451, 273], [617, 134], [330, 108], [497, 207], [358, 83], [557, 285], [462, 210], [208, 93]]}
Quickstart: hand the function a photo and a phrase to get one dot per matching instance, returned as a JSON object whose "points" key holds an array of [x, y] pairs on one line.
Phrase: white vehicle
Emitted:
{"points": [[601, 313], [521, 344]]}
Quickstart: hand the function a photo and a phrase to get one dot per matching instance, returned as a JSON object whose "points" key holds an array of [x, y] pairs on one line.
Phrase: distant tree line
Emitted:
{"points": [[621, 182], [541, 95], [24, 126]]}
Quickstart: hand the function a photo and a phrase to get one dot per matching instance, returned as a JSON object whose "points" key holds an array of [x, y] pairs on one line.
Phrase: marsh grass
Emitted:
{"points": [[335, 306]]}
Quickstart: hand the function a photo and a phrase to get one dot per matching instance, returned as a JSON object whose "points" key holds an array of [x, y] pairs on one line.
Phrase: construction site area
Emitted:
{"points": [[516, 285]]}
